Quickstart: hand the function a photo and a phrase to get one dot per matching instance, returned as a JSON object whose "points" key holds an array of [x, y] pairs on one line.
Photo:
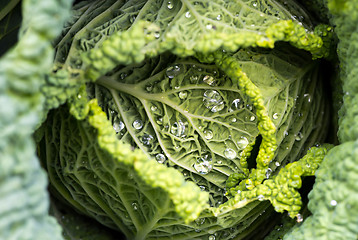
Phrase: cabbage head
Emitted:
{"points": [[184, 119]]}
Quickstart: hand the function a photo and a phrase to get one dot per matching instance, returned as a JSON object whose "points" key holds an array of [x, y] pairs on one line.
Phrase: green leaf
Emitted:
{"points": [[23, 196]]}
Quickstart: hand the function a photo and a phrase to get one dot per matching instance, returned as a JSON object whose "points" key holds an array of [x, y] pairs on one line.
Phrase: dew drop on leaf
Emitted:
{"points": [[233, 120], [118, 126], [173, 71], [252, 118], [123, 75], [170, 5], [147, 139], [203, 166], [202, 188], [194, 79], [208, 134], [200, 221], [149, 87], [132, 19], [268, 172], [187, 14], [135, 206], [242, 143], [275, 116], [218, 17], [277, 164], [211, 237], [183, 95], [237, 104], [159, 121], [333, 202], [260, 197], [137, 124], [160, 158], [157, 35], [213, 101], [153, 108], [210, 80], [178, 129], [299, 218], [229, 153], [299, 136]]}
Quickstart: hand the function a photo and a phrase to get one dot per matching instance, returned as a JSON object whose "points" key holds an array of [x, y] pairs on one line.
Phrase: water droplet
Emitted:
{"points": [[147, 139], [202, 188], [203, 166], [170, 5], [178, 129], [248, 184], [183, 95], [249, 106], [261, 197], [208, 134], [237, 104], [299, 136], [173, 71], [242, 143], [213, 101], [200, 221], [333, 202], [299, 218], [275, 116], [210, 80], [159, 121], [187, 14], [268, 172], [118, 126], [277, 164], [194, 79], [218, 17], [229, 153], [209, 26], [153, 108], [137, 124], [123, 75], [135, 206], [252, 118], [132, 19], [219, 162], [233, 120], [160, 158], [157, 35], [211, 237], [79, 96], [149, 87], [307, 96], [254, 4]]}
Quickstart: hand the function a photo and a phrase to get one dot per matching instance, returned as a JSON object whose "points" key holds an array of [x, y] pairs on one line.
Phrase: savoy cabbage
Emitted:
{"points": [[178, 119]]}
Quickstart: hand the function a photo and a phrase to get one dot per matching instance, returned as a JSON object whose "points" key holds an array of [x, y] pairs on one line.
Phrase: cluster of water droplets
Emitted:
{"points": [[147, 140]]}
